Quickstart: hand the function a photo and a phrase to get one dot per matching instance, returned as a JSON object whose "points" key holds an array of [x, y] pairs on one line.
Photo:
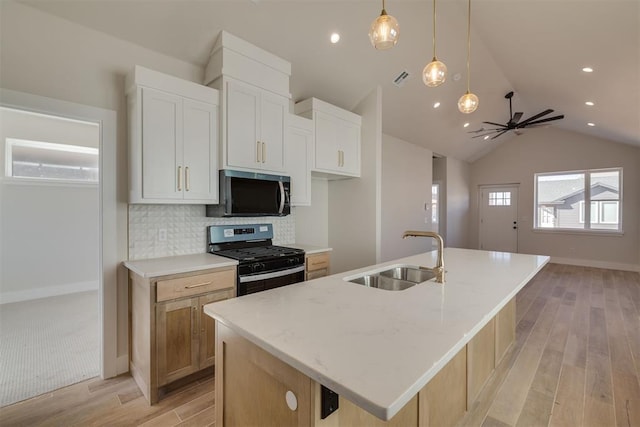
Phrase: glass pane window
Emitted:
{"points": [[579, 200], [435, 188], [500, 198], [605, 193], [51, 161]]}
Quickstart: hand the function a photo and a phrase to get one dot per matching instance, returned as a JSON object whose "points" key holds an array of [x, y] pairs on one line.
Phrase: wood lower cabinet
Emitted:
{"points": [[317, 265], [171, 336], [252, 386]]}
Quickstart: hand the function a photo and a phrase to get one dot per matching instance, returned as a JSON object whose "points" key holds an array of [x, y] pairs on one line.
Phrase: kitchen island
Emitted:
{"points": [[379, 350]]}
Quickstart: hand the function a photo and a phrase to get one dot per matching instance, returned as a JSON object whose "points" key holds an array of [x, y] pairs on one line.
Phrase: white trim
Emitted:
{"points": [[48, 291], [17, 180], [580, 231], [122, 364], [108, 279], [596, 264]]}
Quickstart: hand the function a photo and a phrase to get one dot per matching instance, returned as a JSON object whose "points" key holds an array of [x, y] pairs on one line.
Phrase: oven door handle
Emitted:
{"points": [[282, 197], [272, 275]]}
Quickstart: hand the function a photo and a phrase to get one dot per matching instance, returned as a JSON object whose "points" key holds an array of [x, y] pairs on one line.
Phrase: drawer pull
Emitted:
{"points": [[197, 285]]}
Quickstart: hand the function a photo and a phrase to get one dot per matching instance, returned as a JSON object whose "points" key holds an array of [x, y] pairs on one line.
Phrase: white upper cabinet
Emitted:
{"points": [[255, 104], [255, 127], [299, 158], [337, 138], [173, 139]]}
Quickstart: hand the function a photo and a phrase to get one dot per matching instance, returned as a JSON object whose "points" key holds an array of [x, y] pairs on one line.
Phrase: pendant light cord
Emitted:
{"points": [[468, 46], [434, 29]]}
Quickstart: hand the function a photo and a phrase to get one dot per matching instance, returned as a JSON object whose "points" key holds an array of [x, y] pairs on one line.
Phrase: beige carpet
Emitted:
{"points": [[48, 343]]}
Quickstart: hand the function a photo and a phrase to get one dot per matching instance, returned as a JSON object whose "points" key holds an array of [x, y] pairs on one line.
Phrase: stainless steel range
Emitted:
{"points": [[262, 265]]}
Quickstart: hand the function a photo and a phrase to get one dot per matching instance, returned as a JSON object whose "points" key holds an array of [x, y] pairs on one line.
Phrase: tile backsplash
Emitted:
{"points": [[185, 227]]}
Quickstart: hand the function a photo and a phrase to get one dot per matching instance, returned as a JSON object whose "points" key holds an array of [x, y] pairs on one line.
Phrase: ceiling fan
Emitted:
{"points": [[514, 124]]}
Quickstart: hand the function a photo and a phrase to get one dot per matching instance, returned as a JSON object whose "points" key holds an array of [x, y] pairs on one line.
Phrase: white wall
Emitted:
{"points": [[458, 199], [52, 57], [354, 214], [552, 150], [440, 176], [312, 222], [49, 232], [406, 190]]}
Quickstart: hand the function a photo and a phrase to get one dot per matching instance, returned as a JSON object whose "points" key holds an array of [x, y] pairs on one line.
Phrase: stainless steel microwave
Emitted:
{"points": [[252, 194]]}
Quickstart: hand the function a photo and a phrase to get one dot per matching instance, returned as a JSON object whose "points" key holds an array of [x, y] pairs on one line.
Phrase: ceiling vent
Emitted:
{"points": [[401, 79]]}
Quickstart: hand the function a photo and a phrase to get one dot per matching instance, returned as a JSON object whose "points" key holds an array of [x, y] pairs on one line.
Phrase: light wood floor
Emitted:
{"points": [[576, 361]]}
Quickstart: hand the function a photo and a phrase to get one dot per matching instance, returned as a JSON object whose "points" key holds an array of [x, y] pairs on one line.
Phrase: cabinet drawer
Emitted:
{"points": [[194, 285], [318, 261]]}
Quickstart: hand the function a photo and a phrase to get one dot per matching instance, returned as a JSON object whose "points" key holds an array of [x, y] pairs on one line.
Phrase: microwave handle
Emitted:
{"points": [[282, 197]]}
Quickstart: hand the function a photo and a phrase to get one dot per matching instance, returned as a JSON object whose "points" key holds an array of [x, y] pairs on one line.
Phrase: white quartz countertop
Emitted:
{"points": [[155, 267], [308, 249], [378, 348]]}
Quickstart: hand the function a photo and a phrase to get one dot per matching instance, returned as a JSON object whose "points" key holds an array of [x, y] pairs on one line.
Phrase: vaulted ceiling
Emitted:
{"points": [[536, 48]]}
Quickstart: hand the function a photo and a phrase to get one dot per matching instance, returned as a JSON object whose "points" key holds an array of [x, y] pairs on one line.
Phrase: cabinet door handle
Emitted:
{"points": [[338, 158], [187, 177], [258, 151], [179, 178], [264, 152], [197, 285]]}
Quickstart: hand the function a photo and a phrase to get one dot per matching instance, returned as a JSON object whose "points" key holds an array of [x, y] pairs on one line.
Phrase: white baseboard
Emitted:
{"points": [[46, 292], [596, 264]]}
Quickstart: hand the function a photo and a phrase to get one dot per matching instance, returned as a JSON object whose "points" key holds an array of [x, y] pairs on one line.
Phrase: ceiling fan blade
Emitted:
{"points": [[499, 134], [483, 130], [534, 117], [548, 119], [495, 124], [517, 116], [484, 134]]}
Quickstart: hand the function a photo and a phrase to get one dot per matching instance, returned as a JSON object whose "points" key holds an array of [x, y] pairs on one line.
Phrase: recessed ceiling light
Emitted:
{"points": [[335, 38], [436, 105], [591, 124], [587, 70], [466, 125], [486, 137], [589, 103]]}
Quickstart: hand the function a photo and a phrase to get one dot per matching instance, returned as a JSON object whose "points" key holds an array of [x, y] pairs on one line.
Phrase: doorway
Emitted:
{"points": [[498, 218], [24, 150]]}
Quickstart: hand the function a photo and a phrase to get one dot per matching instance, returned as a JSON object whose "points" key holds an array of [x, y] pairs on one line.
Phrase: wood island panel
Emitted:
{"points": [[505, 329], [480, 360], [350, 415], [254, 384], [443, 401]]}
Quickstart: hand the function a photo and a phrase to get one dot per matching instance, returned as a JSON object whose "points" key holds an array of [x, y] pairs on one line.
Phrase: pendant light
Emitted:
{"points": [[468, 102], [384, 31], [435, 73]]}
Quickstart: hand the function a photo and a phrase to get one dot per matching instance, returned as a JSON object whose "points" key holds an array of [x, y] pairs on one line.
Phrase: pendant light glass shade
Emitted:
{"points": [[384, 31], [435, 73], [468, 103]]}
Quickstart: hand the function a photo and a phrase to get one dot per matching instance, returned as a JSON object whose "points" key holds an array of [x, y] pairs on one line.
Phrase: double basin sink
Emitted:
{"points": [[394, 278]]}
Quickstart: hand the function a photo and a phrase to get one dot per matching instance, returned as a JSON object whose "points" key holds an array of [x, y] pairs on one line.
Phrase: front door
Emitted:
{"points": [[499, 218]]}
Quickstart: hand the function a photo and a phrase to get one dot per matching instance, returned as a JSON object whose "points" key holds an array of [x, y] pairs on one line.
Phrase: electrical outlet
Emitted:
{"points": [[162, 234]]}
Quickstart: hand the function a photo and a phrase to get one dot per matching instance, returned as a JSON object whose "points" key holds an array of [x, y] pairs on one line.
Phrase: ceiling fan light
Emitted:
{"points": [[468, 103], [384, 31], [435, 73]]}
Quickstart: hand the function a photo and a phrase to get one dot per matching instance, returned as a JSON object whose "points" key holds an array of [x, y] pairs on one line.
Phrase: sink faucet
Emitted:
{"points": [[439, 268]]}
